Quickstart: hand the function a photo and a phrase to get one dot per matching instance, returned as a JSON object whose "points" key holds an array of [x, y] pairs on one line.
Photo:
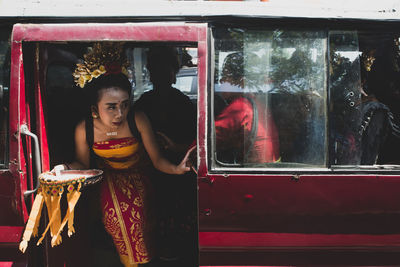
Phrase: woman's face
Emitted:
{"points": [[113, 106]]}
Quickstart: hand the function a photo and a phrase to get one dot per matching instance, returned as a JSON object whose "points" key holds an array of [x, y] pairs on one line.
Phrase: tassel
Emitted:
{"points": [[47, 200], [33, 222], [72, 197], [71, 206], [56, 197], [52, 219], [54, 211]]}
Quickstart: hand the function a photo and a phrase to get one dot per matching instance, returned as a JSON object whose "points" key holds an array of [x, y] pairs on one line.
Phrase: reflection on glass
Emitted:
{"points": [[345, 91], [184, 84], [269, 98]]}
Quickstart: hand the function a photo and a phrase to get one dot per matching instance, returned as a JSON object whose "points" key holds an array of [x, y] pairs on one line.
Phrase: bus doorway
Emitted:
{"points": [[63, 108], [172, 114]]}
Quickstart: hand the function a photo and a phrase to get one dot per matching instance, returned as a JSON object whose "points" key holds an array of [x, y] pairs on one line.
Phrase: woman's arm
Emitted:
{"points": [[151, 146], [82, 150], [170, 145]]}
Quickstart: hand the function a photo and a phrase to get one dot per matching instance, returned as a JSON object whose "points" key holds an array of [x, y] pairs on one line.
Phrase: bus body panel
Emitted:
{"points": [[248, 218]]}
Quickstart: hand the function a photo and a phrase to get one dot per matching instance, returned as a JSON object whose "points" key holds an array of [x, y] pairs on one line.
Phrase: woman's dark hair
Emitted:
{"points": [[107, 81]]}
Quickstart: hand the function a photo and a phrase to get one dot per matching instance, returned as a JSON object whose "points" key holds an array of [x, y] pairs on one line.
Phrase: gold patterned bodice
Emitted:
{"points": [[120, 153]]}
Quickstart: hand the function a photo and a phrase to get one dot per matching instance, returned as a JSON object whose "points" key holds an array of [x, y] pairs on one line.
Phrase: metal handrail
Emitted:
{"points": [[24, 130]]}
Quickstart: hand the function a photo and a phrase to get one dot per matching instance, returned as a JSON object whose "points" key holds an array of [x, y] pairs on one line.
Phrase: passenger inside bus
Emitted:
{"points": [[245, 129], [173, 117], [368, 115], [380, 113]]}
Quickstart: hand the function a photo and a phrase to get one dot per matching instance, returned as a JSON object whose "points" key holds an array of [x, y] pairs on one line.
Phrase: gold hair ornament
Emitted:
{"points": [[367, 60], [103, 58]]}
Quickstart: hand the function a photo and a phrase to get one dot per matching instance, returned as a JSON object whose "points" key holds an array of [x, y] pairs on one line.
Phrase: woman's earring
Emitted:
{"points": [[95, 116]]}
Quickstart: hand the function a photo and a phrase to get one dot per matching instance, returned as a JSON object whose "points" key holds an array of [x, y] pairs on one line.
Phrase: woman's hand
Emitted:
{"points": [[60, 167], [184, 166]]}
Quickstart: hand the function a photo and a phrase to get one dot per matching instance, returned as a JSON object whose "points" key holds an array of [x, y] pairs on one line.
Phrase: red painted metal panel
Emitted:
{"points": [[290, 241], [13, 264], [11, 234], [316, 194], [13, 180], [17, 117], [313, 204], [9, 196], [202, 102], [40, 117], [163, 32]]}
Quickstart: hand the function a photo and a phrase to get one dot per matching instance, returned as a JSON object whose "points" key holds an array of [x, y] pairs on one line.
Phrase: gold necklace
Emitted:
{"points": [[111, 133]]}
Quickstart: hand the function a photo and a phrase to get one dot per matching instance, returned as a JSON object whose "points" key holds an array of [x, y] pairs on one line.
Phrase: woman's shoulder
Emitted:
{"points": [[140, 116], [80, 129], [81, 126]]}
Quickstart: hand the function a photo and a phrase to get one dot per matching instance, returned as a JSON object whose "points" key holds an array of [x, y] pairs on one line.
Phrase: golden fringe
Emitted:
{"points": [[51, 196]]}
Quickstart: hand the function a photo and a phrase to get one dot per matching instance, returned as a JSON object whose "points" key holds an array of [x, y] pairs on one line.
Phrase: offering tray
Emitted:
{"points": [[64, 177]]}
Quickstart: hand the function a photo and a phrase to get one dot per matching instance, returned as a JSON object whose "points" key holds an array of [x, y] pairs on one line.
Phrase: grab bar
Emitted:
{"points": [[24, 130]]}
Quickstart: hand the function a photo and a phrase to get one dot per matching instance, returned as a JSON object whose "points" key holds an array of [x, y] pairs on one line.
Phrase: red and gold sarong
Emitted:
{"points": [[123, 199]]}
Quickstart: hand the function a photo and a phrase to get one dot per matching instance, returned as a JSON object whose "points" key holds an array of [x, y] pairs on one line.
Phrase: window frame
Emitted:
{"points": [[215, 168]]}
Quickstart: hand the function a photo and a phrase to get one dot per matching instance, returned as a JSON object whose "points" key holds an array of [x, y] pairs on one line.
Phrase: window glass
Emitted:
{"points": [[269, 98], [185, 78], [345, 84], [4, 90], [184, 83], [365, 97]]}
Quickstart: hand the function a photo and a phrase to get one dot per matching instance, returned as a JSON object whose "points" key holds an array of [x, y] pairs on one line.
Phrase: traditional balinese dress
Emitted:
{"points": [[124, 198]]}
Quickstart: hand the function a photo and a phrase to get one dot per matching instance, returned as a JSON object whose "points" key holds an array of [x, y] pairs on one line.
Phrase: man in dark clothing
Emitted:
{"points": [[173, 118]]}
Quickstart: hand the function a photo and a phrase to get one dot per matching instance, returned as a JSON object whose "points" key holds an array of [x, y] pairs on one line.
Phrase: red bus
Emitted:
{"points": [[318, 181]]}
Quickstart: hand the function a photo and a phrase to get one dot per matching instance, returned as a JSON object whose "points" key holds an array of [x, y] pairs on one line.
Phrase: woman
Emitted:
{"points": [[119, 151]]}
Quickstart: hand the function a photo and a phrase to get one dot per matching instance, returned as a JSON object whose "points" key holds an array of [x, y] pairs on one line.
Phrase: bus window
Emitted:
{"points": [[271, 105], [186, 78], [269, 98], [4, 87]]}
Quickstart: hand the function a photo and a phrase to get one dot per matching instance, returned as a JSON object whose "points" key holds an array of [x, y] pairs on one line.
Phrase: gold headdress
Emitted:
{"points": [[102, 59]]}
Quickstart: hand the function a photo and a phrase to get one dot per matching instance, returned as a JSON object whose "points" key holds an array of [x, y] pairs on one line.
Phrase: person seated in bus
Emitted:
{"points": [[115, 138], [245, 129], [379, 129], [173, 118]]}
